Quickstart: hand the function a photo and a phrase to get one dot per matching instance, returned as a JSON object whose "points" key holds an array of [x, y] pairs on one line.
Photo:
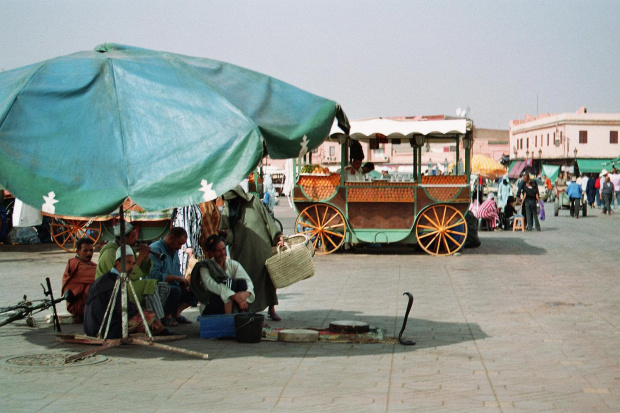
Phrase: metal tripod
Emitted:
{"points": [[121, 284]]}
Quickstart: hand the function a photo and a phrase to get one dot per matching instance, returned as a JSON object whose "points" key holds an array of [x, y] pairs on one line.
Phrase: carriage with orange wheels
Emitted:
{"points": [[65, 231], [408, 208]]}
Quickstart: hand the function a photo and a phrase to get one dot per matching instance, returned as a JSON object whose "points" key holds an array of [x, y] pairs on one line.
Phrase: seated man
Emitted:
{"points": [[167, 268], [78, 277], [221, 284], [149, 293], [99, 296]]}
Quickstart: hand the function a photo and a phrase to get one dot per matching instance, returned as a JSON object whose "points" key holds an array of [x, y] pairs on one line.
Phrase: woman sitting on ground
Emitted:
{"points": [[221, 285]]}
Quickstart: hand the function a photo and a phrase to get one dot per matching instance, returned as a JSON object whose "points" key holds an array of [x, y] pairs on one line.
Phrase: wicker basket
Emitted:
{"points": [[300, 239], [296, 239], [290, 264]]}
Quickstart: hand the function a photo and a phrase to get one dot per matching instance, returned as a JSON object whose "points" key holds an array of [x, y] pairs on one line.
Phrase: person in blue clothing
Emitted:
{"points": [[167, 268], [574, 193]]}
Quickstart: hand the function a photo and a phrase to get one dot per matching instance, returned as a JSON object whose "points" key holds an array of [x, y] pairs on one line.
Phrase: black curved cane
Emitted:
{"points": [[400, 335]]}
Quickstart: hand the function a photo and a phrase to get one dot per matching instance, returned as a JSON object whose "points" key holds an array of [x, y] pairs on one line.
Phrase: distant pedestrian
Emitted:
{"points": [[614, 177], [530, 190], [591, 190], [504, 190], [607, 192], [573, 191]]}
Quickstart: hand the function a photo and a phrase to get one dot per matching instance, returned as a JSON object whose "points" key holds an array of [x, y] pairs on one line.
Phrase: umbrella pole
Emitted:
{"points": [[123, 277], [150, 342]]}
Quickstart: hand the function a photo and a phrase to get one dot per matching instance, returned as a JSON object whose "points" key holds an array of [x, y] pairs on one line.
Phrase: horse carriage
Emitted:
{"points": [[427, 210]]}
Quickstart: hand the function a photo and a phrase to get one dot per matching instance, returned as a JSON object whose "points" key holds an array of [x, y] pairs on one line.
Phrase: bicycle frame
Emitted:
{"points": [[25, 309]]}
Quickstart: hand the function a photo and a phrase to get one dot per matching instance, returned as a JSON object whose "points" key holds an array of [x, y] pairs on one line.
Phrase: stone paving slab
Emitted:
{"points": [[527, 322]]}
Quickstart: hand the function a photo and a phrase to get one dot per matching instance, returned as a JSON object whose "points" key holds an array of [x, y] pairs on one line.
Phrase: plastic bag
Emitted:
{"points": [[542, 210]]}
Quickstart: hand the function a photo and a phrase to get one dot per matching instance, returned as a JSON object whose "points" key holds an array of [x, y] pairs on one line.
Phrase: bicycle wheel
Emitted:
{"points": [[6, 318]]}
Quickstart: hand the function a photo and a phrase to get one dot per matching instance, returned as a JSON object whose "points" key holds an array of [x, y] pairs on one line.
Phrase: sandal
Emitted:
{"points": [[169, 322], [183, 320]]}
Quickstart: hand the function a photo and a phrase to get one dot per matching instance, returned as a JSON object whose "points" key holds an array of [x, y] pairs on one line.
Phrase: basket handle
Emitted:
{"points": [[280, 249]]}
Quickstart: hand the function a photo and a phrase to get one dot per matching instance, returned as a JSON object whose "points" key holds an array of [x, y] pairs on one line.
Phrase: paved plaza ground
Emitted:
{"points": [[527, 322]]}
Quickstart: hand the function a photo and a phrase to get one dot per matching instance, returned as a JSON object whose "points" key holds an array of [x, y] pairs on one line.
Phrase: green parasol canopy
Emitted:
{"points": [[81, 133]]}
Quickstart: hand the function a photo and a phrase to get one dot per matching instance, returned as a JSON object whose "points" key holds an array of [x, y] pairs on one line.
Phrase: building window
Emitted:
{"points": [[332, 151], [527, 143], [521, 143], [547, 139], [613, 136], [583, 136], [536, 141]]}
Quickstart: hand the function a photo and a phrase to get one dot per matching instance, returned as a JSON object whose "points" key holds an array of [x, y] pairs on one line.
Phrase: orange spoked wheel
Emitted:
{"points": [[324, 225], [441, 230], [66, 232]]}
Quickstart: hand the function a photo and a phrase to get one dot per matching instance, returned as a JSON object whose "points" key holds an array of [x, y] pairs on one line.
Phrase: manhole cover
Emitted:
{"points": [[52, 360]]}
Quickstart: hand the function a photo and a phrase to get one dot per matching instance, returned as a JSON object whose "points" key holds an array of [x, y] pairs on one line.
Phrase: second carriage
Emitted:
{"points": [[427, 210]]}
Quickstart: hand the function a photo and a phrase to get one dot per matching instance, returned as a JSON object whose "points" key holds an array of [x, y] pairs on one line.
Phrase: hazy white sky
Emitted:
{"points": [[376, 58]]}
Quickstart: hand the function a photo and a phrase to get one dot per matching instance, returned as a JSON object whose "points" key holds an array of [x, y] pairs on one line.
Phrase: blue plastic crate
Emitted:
{"points": [[217, 326]]}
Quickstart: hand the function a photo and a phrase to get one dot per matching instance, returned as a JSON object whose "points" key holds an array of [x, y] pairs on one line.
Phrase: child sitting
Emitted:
{"points": [[510, 212]]}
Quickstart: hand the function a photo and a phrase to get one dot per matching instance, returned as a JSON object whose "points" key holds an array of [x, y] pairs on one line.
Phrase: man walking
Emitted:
{"points": [[573, 191]]}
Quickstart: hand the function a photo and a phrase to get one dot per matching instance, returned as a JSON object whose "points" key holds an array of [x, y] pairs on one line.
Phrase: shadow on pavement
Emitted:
{"points": [[506, 246], [426, 334]]}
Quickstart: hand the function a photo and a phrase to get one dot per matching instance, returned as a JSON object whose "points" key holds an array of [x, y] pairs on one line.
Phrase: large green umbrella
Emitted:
{"points": [[81, 133]]}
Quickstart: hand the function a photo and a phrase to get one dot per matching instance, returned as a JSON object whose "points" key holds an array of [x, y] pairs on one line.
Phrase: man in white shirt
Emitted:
{"points": [[221, 285]]}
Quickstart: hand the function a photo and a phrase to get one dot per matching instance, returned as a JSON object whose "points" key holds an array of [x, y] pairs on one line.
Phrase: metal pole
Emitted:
{"points": [[125, 323]]}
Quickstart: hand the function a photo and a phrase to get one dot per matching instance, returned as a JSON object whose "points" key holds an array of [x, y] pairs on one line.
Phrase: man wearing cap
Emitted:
{"points": [[573, 191], [147, 290], [100, 295]]}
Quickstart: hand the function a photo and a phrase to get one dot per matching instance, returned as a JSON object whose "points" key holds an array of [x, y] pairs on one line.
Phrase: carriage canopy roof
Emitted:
{"points": [[367, 129]]}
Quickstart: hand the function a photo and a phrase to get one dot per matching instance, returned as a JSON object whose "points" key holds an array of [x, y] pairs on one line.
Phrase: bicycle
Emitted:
{"points": [[26, 308]]}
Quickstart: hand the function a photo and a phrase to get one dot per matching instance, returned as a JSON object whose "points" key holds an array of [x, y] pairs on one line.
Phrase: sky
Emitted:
{"points": [[502, 59]]}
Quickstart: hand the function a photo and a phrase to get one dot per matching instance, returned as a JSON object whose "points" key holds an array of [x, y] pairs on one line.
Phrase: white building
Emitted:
{"points": [[588, 139]]}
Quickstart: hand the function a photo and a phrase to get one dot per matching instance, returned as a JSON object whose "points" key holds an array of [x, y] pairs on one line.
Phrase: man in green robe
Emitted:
{"points": [[144, 288], [250, 232]]}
